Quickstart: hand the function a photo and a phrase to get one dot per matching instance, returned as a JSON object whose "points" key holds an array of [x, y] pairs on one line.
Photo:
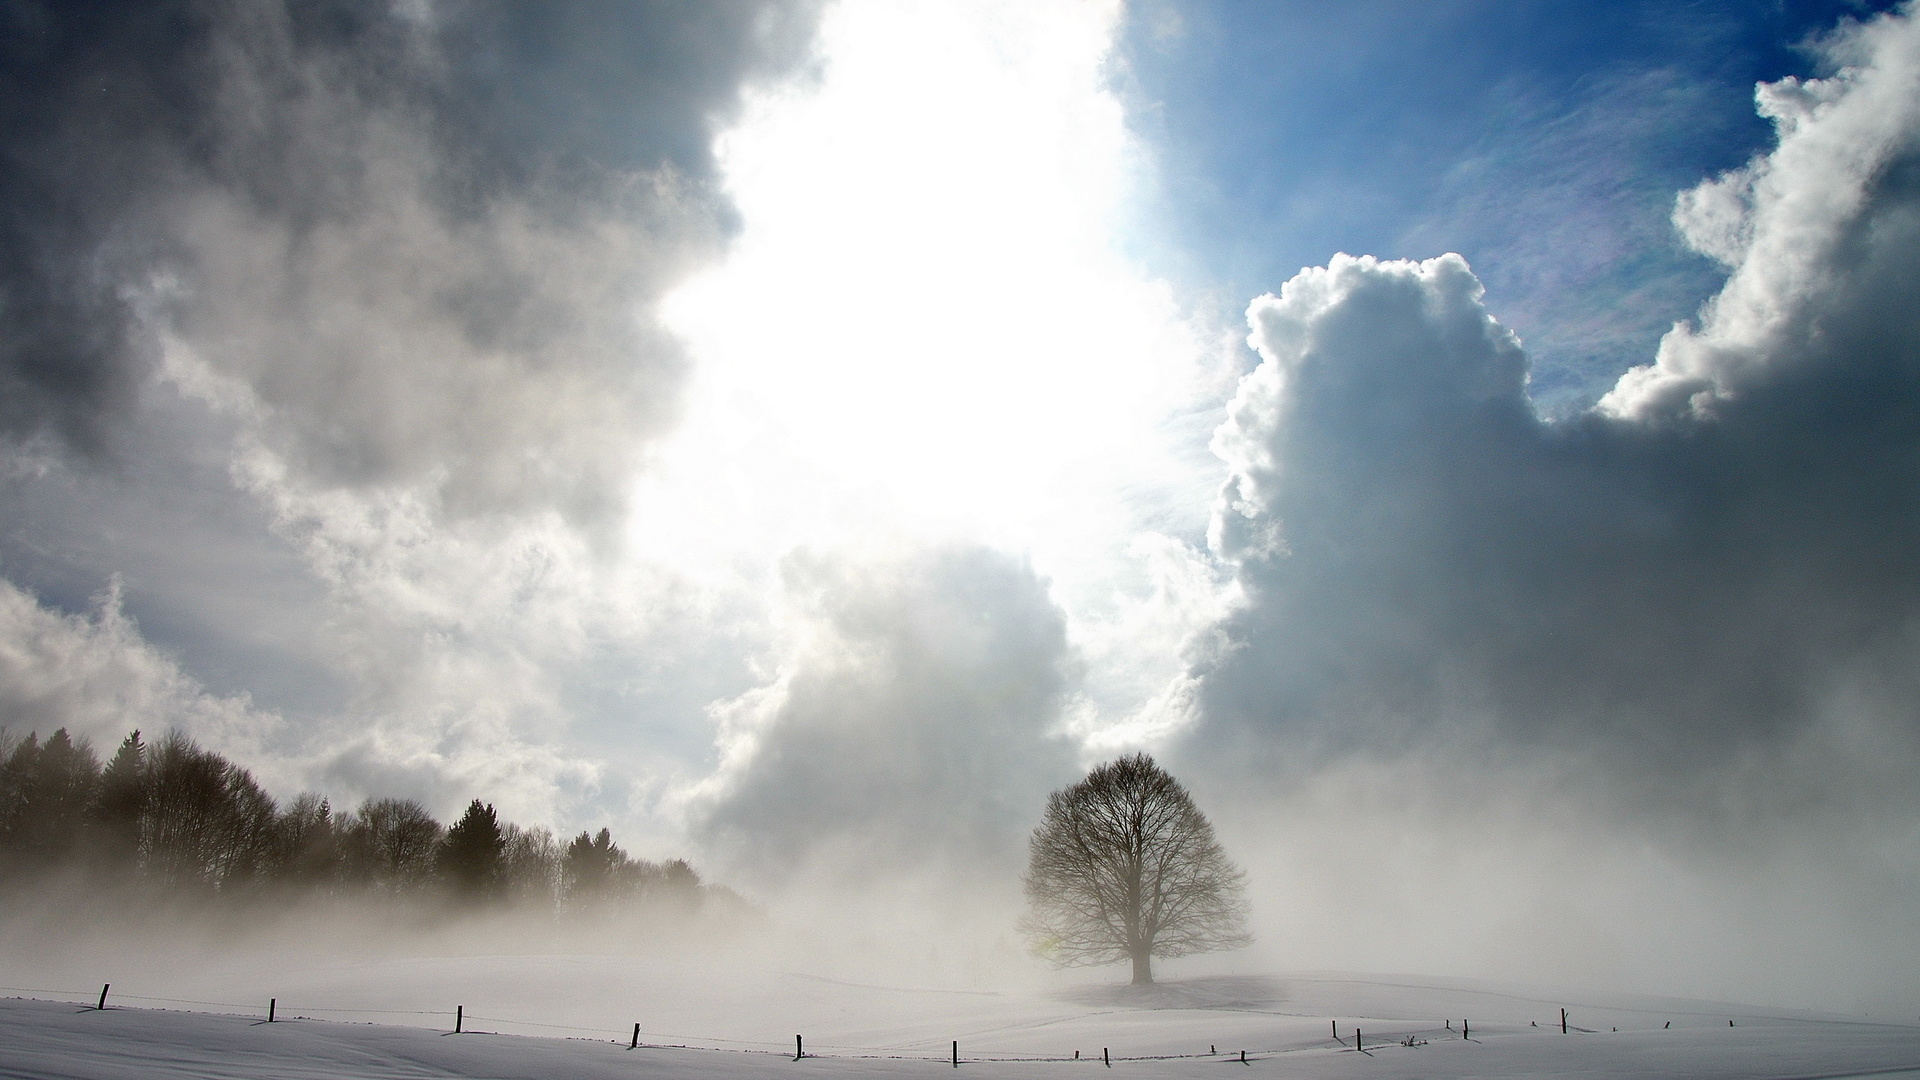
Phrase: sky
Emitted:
{"points": [[1471, 444]]}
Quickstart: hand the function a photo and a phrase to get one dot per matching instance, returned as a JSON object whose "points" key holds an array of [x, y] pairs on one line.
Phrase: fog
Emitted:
{"points": [[1623, 694], [373, 420]]}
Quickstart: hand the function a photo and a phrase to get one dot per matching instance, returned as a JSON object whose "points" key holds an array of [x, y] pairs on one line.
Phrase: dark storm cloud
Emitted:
{"points": [[416, 240], [330, 329], [1697, 587]]}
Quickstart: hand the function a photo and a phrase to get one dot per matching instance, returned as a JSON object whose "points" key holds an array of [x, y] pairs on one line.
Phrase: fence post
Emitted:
{"points": [[103, 998], [271, 1003], [1243, 1057], [1356, 1039], [1464, 1028], [459, 1018], [1106, 1057], [1336, 1030], [956, 1053], [636, 1038], [1563, 1021], [799, 1048]]}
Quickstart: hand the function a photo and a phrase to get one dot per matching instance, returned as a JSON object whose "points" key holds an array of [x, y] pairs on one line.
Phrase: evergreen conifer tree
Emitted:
{"points": [[472, 854]]}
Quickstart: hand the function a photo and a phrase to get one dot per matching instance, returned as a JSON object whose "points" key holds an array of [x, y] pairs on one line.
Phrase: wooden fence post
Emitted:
{"points": [[636, 1038], [271, 1004], [1106, 1057], [1563, 1021], [799, 1048], [1464, 1028], [459, 1018], [956, 1053], [103, 997]]}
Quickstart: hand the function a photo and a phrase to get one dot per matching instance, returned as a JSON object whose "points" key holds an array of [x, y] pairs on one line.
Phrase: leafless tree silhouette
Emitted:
{"points": [[390, 845], [1125, 867]]}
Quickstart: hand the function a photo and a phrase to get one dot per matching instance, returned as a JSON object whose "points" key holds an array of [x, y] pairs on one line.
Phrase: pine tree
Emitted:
{"points": [[118, 805], [45, 789], [472, 855], [307, 845], [592, 867]]}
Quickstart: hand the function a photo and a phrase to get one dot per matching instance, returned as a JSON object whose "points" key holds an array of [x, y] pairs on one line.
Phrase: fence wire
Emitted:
{"points": [[665, 1041]]}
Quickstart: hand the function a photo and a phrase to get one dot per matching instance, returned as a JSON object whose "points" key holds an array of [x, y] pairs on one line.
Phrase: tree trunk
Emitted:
{"points": [[1143, 968]]}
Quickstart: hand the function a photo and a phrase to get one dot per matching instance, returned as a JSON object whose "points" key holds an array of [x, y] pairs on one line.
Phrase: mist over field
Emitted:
{"points": [[665, 493]]}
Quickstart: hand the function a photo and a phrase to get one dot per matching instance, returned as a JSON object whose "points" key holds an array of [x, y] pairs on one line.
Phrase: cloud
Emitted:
{"points": [[95, 676], [1704, 589], [332, 327], [409, 245], [1623, 697], [913, 730], [1819, 233]]}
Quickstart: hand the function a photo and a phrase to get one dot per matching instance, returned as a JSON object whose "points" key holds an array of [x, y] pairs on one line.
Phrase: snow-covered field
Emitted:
{"points": [[573, 1016]]}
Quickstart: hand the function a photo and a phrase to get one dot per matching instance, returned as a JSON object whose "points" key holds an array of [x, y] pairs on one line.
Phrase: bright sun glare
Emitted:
{"points": [[924, 325]]}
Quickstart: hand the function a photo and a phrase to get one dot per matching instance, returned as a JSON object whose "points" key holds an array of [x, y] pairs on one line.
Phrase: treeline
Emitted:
{"points": [[183, 818]]}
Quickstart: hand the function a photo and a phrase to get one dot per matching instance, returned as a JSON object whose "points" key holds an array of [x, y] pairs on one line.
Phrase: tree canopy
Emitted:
{"points": [[1124, 866], [179, 817]]}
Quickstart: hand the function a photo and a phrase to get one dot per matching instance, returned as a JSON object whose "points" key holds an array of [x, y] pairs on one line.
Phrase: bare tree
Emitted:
{"points": [[530, 866], [307, 845], [1125, 867], [206, 822], [391, 844]]}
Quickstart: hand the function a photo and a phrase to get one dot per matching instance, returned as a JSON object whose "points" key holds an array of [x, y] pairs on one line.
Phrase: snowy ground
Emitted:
{"points": [[574, 1016]]}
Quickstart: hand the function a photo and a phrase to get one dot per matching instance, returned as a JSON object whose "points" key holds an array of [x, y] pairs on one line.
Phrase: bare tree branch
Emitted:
{"points": [[1124, 866]]}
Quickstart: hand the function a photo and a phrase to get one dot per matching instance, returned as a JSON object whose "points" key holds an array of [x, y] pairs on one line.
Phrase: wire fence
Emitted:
{"points": [[85, 997], [640, 1038]]}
